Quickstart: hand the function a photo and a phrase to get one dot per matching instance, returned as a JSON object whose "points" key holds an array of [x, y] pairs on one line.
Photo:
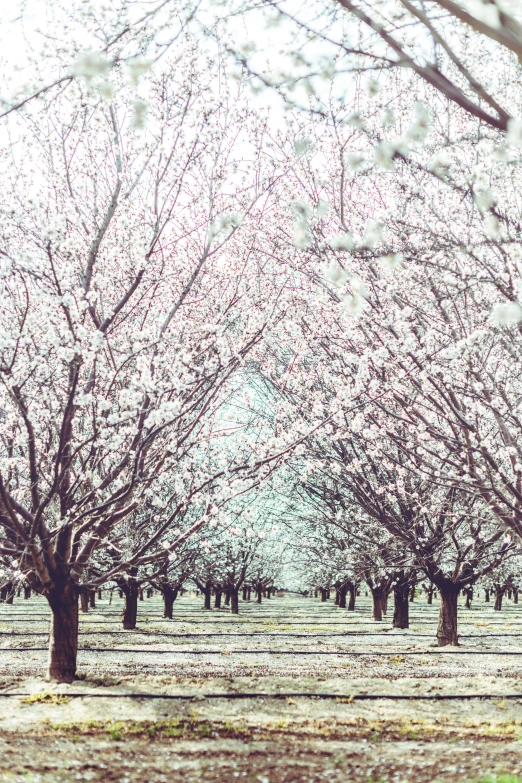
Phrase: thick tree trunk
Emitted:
{"points": [[84, 601], [63, 635], [342, 596], [401, 618], [412, 594], [217, 601], [92, 599], [377, 596], [169, 596], [499, 595], [207, 593], [430, 595], [323, 594], [351, 601], [259, 592], [227, 597], [234, 601], [447, 632], [486, 596], [27, 592], [515, 596], [130, 610], [469, 597], [245, 593]]}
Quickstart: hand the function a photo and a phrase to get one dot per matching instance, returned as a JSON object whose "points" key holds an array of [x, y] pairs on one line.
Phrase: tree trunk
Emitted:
{"points": [[130, 610], [234, 600], [169, 596], [486, 596], [412, 594], [469, 597], [377, 596], [63, 635], [227, 597], [515, 595], [323, 594], [447, 630], [92, 599], [430, 595], [351, 600], [401, 617], [27, 592], [207, 592], [499, 595], [259, 592], [244, 593], [217, 602], [84, 600], [342, 596]]}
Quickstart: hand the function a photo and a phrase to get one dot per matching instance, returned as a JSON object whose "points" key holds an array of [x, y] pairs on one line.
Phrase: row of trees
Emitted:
{"points": [[199, 305]]}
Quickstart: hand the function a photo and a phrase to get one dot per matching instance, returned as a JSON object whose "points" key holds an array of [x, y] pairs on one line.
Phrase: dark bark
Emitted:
{"points": [[377, 597], [245, 591], [130, 609], [515, 595], [234, 600], [469, 597], [430, 594], [217, 601], [27, 591], [259, 592], [323, 593], [169, 596], [227, 597], [499, 595], [447, 631], [486, 596], [341, 588], [92, 599], [401, 618], [351, 601], [84, 600], [207, 593], [63, 635]]}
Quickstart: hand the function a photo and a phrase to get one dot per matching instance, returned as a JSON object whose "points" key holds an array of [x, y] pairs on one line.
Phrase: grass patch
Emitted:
{"points": [[46, 698]]}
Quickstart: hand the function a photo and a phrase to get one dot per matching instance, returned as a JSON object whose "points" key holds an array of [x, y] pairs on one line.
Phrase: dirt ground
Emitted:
{"points": [[47, 735]]}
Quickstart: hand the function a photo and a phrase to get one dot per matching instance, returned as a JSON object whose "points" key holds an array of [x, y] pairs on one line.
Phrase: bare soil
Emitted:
{"points": [[49, 736]]}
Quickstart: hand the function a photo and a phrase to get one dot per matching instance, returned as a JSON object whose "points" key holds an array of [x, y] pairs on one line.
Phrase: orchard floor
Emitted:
{"points": [[287, 645]]}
